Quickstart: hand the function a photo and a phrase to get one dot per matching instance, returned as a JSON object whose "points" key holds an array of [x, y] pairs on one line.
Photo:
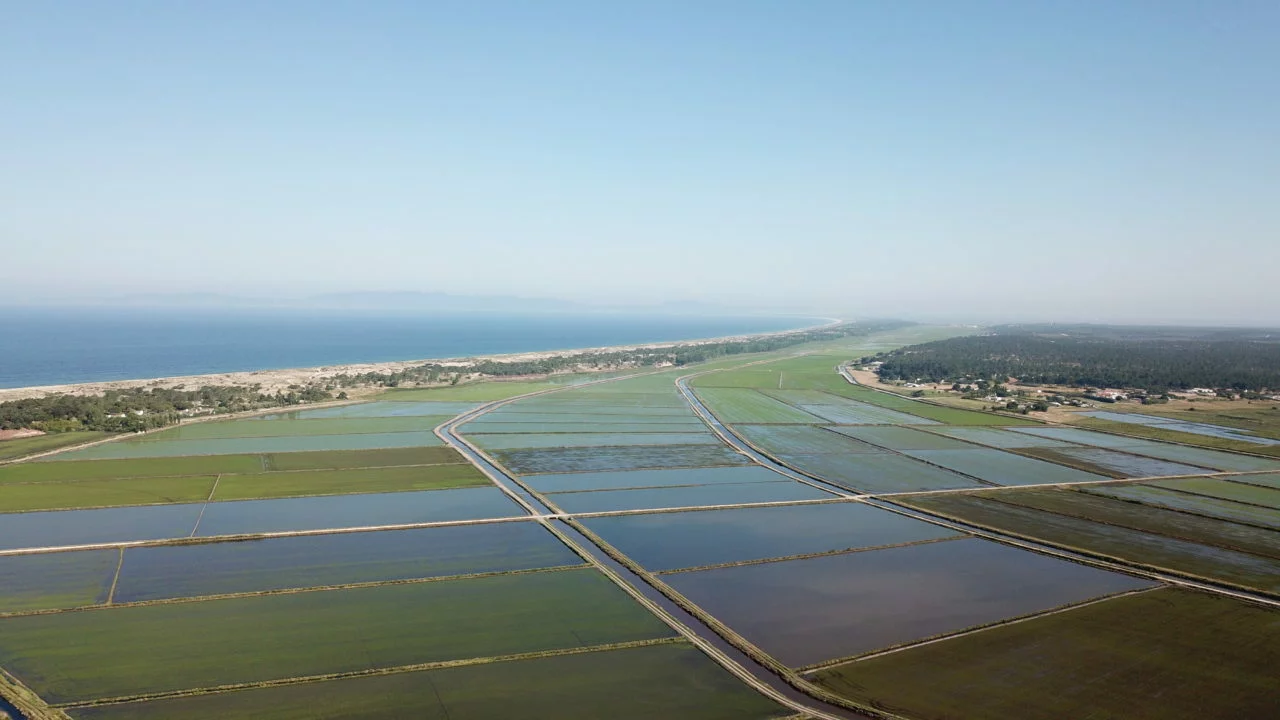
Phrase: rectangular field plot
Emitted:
{"points": [[1225, 489], [668, 541], [123, 651], [740, 405], [1112, 463], [1184, 426], [676, 497], [567, 460], [1146, 518], [56, 580], [1003, 439], [903, 438], [878, 472], [346, 459], [234, 446], [842, 411], [242, 517], [759, 378], [1218, 460], [104, 493], [156, 573], [491, 428], [672, 680], [61, 528], [1198, 504], [558, 440], [1161, 655], [58, 471], [802, 439], [1160, 551], [257, 428], [572, 482], [1271, 480], [377, 410], [818, 609], [1003, 468], [345, 482]]}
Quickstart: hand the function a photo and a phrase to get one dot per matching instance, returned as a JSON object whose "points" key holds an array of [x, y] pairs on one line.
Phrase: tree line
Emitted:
{"points": [[1154, 359]]}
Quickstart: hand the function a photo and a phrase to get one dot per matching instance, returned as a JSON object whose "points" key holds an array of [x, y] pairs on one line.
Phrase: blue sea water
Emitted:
{"points": [[51, 347]]}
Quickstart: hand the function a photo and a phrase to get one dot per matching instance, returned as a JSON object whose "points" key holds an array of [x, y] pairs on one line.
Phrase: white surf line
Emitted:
{"points": [[827, 665], [204, 507]]}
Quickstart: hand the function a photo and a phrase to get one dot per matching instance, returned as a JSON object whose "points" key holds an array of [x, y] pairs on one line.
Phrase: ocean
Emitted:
{"points": [[54, 347]]}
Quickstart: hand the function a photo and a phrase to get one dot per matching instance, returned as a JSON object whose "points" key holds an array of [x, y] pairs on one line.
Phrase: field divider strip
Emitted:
{"points": [[396, 670], [204, 507], [812, 555], [297, 590], [115, 578], [942, 637]]}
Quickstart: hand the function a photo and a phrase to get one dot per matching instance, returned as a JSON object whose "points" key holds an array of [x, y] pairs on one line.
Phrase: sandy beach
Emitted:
{"points": [[281, 379]]}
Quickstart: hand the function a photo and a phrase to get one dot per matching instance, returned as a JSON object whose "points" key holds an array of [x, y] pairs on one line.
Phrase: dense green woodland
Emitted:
{"points": [[1098, 356], [141, 409]]}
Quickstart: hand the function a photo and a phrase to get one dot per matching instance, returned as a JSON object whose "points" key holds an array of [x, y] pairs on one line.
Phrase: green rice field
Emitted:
{"points": [[564, 460], [56, 580], [1161, 655], [296, 428], [671, 680], [742, 405], [21, 447], [115, 652]]}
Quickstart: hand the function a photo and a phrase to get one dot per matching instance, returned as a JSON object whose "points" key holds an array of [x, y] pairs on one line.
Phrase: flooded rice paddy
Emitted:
{"points": [[667, 541], [781, 490], [818, 609], [650, 478]]}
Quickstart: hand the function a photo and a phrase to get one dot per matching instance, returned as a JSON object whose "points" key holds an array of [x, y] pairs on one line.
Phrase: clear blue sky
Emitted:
{"points": [[1069, 160]]}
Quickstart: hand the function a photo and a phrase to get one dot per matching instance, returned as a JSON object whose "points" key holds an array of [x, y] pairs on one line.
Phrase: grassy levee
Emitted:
{"points": [[1166, 654], [21, 447], [82, 656], [1174, 436], [669, 680], [1134, 548], [252, 428], [345, 482], [27, 702]]}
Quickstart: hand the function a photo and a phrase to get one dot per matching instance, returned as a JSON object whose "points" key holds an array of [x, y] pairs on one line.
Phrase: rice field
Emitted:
{"points": [[55, 580], [1225, 489], [1108, 539], [669, 541], [243, 445], [1161, 655], [743, 405], [781, 490], [182, 571], [1196, 504], [174, 647], [1003, 468], [670, 680], [799, 611], [566, 460], [572, 482], [565, 440], [879, 473]]}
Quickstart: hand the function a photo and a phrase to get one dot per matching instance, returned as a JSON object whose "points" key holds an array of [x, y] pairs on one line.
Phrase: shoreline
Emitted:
{"points": [[282, 378]]}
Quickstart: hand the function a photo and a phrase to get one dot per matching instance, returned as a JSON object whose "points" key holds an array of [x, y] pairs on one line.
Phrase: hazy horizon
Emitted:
{"points": [[968, 162]]}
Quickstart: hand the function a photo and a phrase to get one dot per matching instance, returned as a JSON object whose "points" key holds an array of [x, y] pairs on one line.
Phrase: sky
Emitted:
{"points": [[1093, 160]]}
